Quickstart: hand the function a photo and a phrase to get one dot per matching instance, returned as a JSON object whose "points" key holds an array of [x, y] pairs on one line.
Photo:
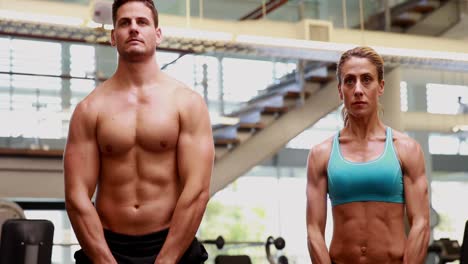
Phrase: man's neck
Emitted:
{"points": [[137, 74]]}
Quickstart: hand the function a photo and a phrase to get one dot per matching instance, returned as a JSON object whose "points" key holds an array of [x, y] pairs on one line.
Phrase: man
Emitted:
{"points": [[372, 173], [145, 141]]}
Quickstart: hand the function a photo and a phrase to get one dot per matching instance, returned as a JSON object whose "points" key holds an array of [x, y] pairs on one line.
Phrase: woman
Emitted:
{"points": [[372, 174]]}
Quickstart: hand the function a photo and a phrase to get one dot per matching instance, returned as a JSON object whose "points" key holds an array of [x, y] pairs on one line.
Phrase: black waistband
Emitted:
{"points": [[136, 245], [162, 234]]}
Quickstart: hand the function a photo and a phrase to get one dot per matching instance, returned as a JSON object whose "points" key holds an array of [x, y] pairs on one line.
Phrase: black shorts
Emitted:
{"points": [[129, 249]]}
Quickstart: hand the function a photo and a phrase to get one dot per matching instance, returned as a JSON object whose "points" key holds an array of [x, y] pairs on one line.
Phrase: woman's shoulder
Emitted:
{"points": [[323, 148], [404, 142]]}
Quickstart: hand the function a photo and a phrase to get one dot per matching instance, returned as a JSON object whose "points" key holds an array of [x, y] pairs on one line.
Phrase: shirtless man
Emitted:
{"points": [[372, 175], [145, 141]]}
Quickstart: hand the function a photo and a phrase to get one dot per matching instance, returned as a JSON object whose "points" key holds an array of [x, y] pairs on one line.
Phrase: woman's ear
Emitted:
{"points": [[381, 87]]}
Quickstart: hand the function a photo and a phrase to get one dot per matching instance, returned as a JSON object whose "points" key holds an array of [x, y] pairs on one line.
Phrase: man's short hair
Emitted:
{"points": [[149, 3]]}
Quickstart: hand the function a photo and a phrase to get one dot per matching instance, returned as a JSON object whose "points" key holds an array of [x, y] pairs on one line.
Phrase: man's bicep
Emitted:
{"points": [[81, 166], [81, 156], [195, 150]]}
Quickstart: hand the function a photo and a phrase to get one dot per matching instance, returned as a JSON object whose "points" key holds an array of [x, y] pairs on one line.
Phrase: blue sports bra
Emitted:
{"points": [[378, 180]]}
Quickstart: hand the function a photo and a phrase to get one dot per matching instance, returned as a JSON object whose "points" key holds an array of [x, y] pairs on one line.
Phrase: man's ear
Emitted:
{"points": [[159, 36], [112, 39]]}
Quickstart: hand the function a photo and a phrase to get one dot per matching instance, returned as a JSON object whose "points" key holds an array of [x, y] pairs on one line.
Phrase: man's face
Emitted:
{"points": [[134, 33], [360, 88]]}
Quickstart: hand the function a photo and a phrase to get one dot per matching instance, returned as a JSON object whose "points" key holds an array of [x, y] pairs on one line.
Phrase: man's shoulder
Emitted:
{"points": [[186, 96], [90, 104], [177, 87]]}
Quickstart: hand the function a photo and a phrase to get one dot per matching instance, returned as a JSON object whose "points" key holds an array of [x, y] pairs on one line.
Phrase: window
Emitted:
{"points": [[443, 144], [212, 72], [443, 98], [4, 54], [238, 213], [37, 57], [82, 61], [320, 131], [452, 219], [182, 69], [26, 95], [237, 86], [404, 96]]}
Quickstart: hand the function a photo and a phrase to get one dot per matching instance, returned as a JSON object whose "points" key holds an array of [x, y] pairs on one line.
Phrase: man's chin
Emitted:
{"points": [[135, 55]]}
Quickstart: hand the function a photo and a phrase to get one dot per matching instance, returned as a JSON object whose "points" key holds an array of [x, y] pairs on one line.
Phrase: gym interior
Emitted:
{"points": [[54, 52]]}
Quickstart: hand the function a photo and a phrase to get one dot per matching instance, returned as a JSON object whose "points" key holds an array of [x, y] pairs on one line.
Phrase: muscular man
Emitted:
{"points": [[372, 174], [145, 141]]}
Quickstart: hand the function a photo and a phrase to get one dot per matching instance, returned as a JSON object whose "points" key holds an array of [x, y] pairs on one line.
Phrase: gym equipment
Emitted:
{"points": [[26, 241], [279, 244], [9, 210], [464, 247], [219, 242], [226, 259], [443, 251]]}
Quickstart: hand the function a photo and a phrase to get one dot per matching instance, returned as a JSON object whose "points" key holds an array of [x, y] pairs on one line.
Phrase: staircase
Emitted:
{"points": [[419, 17], [267, 122]]}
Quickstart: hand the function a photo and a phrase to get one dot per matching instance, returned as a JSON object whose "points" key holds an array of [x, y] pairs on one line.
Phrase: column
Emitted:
{"points": [[221, 86], [65, 92], [390, 100]]}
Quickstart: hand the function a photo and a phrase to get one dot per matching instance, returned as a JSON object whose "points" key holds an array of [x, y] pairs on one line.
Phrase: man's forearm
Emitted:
{"points": [[418, 240], [184, 224], [89, 231]]}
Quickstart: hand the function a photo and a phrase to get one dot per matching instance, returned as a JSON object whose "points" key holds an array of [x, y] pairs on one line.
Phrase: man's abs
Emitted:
{"points": [[138, 196]]}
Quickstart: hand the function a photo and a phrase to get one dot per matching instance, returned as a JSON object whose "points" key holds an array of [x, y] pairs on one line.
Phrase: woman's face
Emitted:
{"points": [[360, 88]]}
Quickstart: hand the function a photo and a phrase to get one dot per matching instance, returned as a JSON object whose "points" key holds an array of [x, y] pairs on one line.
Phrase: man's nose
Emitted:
{"points": [[133, 27]]}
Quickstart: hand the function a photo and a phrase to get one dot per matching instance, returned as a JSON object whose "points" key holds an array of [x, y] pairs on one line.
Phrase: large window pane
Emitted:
{"points": [[443, 98], [39, 57], [238, 88], [212, 72], [80, 89], [445, 196], [404, 96], [5, 54], [82, 61], [443, 144], [182, 70], [34, 83], [320, 131], [240, 213]]}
